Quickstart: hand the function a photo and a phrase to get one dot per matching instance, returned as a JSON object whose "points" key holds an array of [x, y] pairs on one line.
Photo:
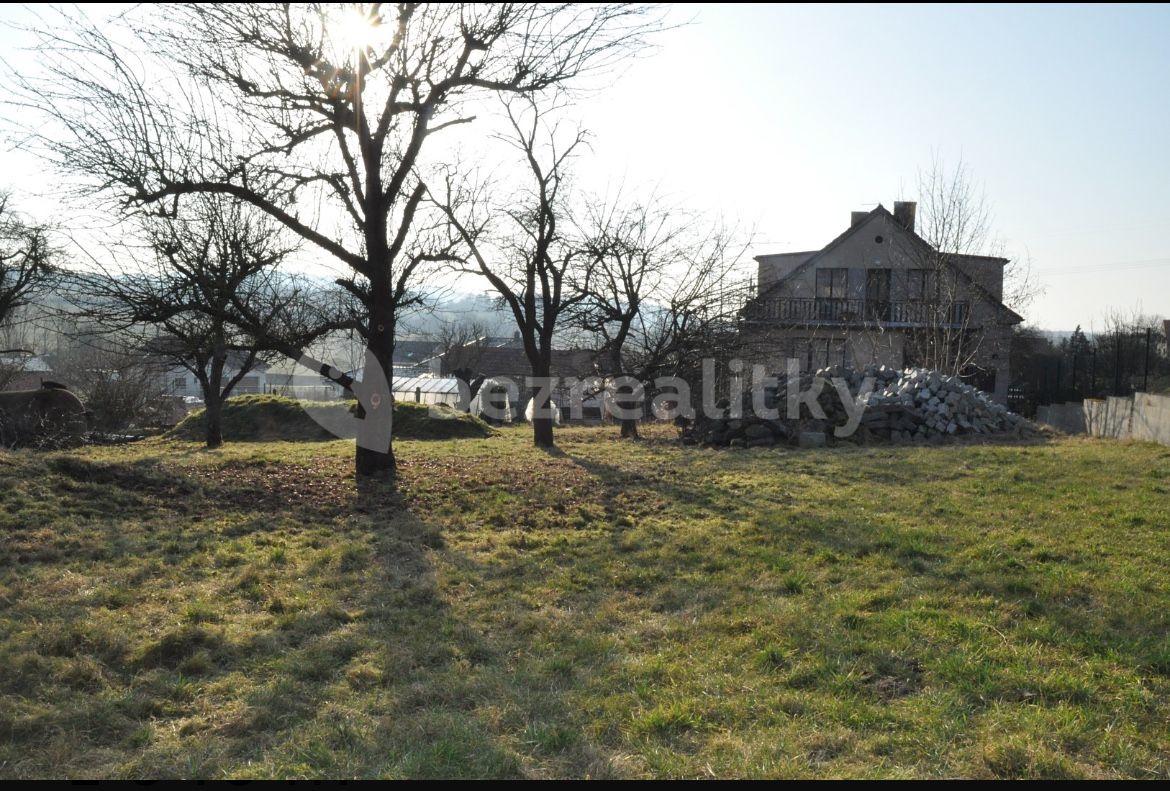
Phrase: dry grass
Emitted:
{"points": [[609, 610]]}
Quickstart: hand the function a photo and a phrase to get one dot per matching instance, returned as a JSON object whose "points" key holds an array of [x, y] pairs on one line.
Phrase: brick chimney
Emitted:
{"points": [[856, 217], [904, 213]]}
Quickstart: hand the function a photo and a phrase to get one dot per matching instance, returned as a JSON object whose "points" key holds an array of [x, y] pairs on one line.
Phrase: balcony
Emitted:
{"points": [[861, 312]]}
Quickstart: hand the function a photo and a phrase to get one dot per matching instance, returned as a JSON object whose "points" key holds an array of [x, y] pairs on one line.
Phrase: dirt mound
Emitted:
{"points": [[265, 418]]}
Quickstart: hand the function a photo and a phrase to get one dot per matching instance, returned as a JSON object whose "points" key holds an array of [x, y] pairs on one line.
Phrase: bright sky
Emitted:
{"points": [[787, 118]]}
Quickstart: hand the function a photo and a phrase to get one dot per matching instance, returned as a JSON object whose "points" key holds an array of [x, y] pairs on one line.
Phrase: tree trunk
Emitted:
{"points": [[542, 427], [630, 429], [375, 464], [375, 445], [213, 414], [212, 411], [542, 432]]}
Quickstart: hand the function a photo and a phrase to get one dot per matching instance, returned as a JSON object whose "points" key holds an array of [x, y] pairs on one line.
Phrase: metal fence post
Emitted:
{"points": [[1146, 373], [1117, 367]]}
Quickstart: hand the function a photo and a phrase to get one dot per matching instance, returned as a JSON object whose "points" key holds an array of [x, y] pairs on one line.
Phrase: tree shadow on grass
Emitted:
{"points": [[264, 635], [294, 631]]}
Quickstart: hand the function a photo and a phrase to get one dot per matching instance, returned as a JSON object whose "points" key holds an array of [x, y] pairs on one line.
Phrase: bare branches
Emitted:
{"points": [[524, 245], [461, 344], [210, 297], [659, 278], [313, 113], [955, 280], [26, 260], [273, 100]]}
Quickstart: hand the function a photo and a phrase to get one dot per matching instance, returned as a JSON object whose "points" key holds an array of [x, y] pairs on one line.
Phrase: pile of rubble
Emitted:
{"points": [[885, 405], [919, 404]]}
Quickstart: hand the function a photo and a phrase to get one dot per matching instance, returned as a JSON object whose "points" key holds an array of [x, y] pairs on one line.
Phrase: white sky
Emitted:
{"points": [[787, 118]]}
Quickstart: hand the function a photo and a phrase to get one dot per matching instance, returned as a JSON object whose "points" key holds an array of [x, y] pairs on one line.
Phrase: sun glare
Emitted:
{"points": [[353, 30]]}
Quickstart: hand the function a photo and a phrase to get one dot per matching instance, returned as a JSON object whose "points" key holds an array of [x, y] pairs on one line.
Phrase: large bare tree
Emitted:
{"points": [[294, 106], [956, 317], [209, 298], [525, 245], [654, 299]]}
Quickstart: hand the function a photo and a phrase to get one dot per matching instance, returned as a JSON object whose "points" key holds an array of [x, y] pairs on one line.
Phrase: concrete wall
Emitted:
{"points": [[1118, 417], [772, 346], [1151, 418], [1143, 417]]}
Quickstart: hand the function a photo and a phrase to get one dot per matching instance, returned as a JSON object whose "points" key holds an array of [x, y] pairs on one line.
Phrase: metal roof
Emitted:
{"points": [[427, 384]]}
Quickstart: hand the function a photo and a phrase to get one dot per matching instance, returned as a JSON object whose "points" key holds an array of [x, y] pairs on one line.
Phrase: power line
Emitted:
{"points": [[1147, 263]]}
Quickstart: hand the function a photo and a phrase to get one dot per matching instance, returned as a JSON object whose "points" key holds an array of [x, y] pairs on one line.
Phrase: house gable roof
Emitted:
{"points": [[883, 212]]}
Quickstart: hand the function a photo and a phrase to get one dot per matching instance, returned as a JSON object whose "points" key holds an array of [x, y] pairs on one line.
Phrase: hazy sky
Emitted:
{"points": [[787, 118]]}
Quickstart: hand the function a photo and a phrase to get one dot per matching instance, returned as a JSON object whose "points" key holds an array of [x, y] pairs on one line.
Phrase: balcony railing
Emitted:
{"points": [[831, 310]]}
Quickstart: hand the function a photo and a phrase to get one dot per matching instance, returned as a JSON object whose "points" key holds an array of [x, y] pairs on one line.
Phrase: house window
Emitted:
{"points": [[919, 284], [916, 284], [815, 353], [877, 294], [832, 283], [825, 352], [180, 383]]}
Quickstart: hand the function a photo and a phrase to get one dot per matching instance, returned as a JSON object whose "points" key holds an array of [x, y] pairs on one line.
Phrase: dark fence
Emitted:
{"points": [[1116, 363]]}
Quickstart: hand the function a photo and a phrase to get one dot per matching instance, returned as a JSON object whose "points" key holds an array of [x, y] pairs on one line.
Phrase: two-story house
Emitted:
{"points": [[880, 294]]}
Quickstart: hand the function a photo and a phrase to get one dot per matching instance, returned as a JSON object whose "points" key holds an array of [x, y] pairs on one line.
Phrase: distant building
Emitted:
{"points": [[411, 356], [179, 381], [867, 298], [494, 361], [504, 358]]}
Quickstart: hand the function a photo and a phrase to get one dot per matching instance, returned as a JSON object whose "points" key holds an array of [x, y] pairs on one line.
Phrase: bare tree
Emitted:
{"points": [[1130, 352], [959, 306], [524, 246], [26, 261], [211, 294], [654, 298], [462, 343], [290, 105], [26, 269]]}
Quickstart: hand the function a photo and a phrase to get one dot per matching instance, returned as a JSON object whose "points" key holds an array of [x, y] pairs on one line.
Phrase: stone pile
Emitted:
{"points": [[911, 406], [919, 405]]}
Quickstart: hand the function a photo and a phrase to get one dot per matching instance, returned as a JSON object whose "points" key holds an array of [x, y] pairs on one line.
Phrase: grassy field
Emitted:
{"points": [[610, 609]]}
